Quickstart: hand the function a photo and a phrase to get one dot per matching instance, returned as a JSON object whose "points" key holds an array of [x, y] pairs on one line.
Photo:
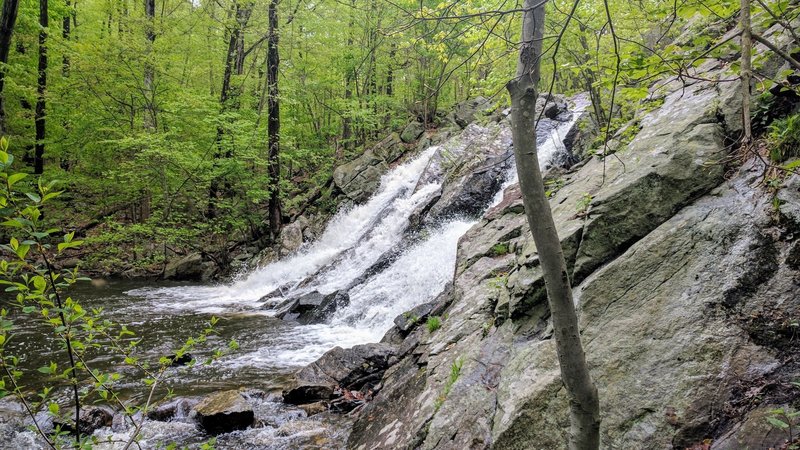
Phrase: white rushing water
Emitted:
{"points": [[352, 242]]}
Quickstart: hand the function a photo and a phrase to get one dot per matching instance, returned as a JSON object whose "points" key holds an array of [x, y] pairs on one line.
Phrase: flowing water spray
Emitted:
{"points": [[352, 242]]}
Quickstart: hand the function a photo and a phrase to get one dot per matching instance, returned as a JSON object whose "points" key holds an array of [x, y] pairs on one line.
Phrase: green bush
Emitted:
{"points": [[784, 138]]}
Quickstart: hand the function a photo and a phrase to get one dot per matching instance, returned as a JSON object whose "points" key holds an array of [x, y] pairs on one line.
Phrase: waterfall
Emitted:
{"points": [[352, 242]]}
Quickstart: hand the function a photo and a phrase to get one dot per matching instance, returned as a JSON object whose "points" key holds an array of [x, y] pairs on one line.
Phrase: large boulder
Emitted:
{"points": [[465, 112], [412, 132], [681, 281], [224, 412], [340, 370], [361, 177], [189, 267], [313, 307]]}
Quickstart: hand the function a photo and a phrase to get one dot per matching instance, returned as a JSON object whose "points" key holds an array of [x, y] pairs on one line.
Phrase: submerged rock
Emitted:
{"points": [[224, 412], [174, 409]]}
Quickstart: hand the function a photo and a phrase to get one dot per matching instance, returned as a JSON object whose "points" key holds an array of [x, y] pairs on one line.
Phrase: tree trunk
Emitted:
{"points": [[747, 54], [274, 122], [347, 121], [41, 91], [8, 17], [149, 71], [65, 31], [581, 391], [229, 95]]}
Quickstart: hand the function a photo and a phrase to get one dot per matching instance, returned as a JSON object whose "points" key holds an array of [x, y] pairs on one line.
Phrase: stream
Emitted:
{"points": [[270, 349]]}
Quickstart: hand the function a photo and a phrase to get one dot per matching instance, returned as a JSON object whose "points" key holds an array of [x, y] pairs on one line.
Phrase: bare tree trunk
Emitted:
{"points": [[8, 18], [229, 95], [347, 121], [274, 123], [746, 73], [581, 391], [149, 71], [41, 91], [65, 31]]}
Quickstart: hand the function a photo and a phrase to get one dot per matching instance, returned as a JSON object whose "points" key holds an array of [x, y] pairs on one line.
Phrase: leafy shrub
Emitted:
{"points": [[784, 137]]}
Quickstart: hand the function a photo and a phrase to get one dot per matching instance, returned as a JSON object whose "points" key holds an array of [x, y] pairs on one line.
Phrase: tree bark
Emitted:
{"points": [[150, 119], [581, 391], [229, 95], [41, 91], [8, 18], [746, 71], [65, 32], [274, 122]]}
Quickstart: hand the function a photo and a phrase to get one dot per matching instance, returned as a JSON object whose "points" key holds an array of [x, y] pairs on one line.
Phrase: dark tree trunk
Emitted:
{"points": [[8, 17], [65, 31], [347, 121], [274, 123], [41, 91], [150, 122], [581, 391]]}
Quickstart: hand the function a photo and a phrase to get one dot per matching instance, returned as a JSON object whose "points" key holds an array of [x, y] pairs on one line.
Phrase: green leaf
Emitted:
{"points": [[39, 283], [34, 197], [777, 423], [16, 177], [53, 408], [44, 369], [22, 250]]}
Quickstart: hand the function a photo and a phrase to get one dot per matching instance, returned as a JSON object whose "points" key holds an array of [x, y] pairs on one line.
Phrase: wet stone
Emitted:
{"points": [[224, 412]]}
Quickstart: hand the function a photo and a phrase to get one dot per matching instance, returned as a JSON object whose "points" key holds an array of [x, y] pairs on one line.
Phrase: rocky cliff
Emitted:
{"points": [[686, 275]]}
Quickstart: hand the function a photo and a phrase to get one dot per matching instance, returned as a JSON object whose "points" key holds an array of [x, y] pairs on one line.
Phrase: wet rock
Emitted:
{"points": [[224, 412], [182, 360], [465, 112], [189, 267], [418, 314], [291, 237], [338, 370], [313, 307], [175, 409], [412, 132], [360, 178], [314, 408], [553, 105], [92, 418], [789, 196], [668, 257], [325, 309]]}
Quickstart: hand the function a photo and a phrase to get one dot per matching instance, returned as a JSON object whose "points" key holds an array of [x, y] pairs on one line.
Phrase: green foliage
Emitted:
{"points": [[433, 323], [786, 419], [39, 293], [499, 249], [784, 138]]}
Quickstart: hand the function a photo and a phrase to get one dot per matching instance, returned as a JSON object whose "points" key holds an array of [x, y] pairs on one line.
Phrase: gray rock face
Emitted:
{"points": [[189, 267], [312, 307], [465, 112], [412, 132], [359, 178], [338, 370], [680, 280], [224, 412]]}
